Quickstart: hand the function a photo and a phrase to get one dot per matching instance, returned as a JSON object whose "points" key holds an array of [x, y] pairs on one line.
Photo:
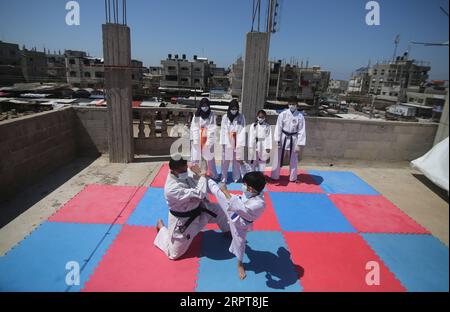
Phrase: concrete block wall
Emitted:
{"points": [[33, 146], [332, 138], [92, 130]]}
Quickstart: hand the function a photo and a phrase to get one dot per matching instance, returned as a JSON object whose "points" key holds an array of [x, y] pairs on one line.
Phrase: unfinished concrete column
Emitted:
{"points": [[118, 88], [442, 131], [256, 66]]}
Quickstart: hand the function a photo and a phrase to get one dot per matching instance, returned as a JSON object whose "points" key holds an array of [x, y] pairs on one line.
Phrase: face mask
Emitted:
{"points": [[183, 175], [293, 108], [261, 120], [247, 193], [233, 111], [205, 109]]}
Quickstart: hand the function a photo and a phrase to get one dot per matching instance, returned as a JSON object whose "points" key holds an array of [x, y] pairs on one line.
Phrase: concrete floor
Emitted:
{"points": [[406, 188]]}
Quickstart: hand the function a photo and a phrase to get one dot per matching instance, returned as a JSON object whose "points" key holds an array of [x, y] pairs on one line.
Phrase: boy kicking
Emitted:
{"points": [[241, 210]]}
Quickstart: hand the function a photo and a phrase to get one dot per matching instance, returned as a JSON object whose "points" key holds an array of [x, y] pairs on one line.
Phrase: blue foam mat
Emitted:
{"points": [[309, 213], [342, 182], [420, 262], [38, 263], [267, 262], [150, 208]]}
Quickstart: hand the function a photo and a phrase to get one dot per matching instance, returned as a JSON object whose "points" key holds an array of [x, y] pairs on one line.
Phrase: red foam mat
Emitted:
{"points": [[134, 263], [337, 263], [375, 214], [160, 178], [100, 204], [306, 183]]}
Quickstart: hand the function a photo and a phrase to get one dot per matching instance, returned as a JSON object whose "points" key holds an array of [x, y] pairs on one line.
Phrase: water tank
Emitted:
{"points": [[195, 57], [169, 56], [176, 56], [183, 56]]}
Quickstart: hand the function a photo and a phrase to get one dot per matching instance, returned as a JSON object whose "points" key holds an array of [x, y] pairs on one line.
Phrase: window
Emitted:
{"points": [[197, 69], [171, 68], [72, 61], [98, 74], [86, 62], [171, 77], [184, 68], [73, 74], [87, 75], [196, 80]]}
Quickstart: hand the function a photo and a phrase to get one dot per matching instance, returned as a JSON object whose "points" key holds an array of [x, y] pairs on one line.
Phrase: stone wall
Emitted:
{"points": [[367, 140], [92, 130], [33, 146]]}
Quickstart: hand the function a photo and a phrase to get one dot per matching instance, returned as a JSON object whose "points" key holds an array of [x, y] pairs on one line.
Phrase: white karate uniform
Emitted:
{"points": [[232, 147], [241, 212], [290, 128], [206, 127], [259, 140], [184, 196]]}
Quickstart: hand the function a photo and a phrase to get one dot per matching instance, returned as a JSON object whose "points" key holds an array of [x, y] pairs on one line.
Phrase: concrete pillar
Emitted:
{"points": [[118, 88], [442, 131], [255, 78]]}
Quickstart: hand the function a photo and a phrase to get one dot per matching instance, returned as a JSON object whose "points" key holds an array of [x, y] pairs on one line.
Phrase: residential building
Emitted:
{"points": [[337, 86], [359, 82], [10, 64], [235, 77], [402, 72]]}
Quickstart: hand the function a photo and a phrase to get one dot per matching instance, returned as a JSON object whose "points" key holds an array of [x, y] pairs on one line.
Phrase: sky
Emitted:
{"points": [[329, 33]]}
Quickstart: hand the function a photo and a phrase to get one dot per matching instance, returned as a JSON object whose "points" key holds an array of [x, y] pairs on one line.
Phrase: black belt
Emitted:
{"points": [[192, 215], [290, 135], [234, 215]]}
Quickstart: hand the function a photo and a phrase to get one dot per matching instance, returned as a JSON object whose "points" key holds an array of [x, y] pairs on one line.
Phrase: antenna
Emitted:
{"points": [[396, 42]]}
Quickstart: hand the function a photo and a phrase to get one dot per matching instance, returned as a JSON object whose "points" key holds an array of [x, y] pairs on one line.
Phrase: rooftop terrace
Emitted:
{"points": [[358, 201]]}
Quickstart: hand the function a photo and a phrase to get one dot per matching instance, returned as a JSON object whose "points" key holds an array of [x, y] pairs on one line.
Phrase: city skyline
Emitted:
{"points": [[331, 45]]}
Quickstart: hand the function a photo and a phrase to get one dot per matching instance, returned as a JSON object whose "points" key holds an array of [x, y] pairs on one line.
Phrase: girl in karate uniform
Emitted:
{"points": [[260, 142], [232, 139], [203, 137]]}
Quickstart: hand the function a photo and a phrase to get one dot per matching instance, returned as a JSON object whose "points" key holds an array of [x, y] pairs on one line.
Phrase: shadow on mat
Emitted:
{"points": [[309, 179], [280, 270]]}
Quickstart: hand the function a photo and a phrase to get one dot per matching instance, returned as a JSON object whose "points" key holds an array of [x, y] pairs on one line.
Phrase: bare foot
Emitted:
{"points": [[159, 225], [241, 270]]}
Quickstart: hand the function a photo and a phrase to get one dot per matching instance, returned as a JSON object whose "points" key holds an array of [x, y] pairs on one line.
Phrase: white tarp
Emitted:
{"points": [[434, 164]]}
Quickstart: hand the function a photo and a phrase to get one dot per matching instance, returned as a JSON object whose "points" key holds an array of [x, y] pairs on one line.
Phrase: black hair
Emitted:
{"points": [[256, 180], [177, 162], [257, 114], [199, 112], [233, 104], [292, 100]]}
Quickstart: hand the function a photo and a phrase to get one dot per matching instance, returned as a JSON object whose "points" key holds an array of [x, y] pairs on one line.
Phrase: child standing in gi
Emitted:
{"points": [[203, 137], [232, 139], [241, 210], [290, 135], [260, 142]]}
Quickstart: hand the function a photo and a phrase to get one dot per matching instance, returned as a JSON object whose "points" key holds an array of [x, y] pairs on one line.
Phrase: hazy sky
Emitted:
{"points": [[331, 33]]}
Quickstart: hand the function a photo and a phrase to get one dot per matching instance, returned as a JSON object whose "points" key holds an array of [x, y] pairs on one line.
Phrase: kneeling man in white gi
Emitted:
{"points": [[189, 209], [241, 210]]}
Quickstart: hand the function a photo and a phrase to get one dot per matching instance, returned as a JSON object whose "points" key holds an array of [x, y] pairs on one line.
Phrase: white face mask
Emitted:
{"points": [[293, 108], [246, 192], [261, 120], [183, 176], [205, 109], [234, 111]]}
